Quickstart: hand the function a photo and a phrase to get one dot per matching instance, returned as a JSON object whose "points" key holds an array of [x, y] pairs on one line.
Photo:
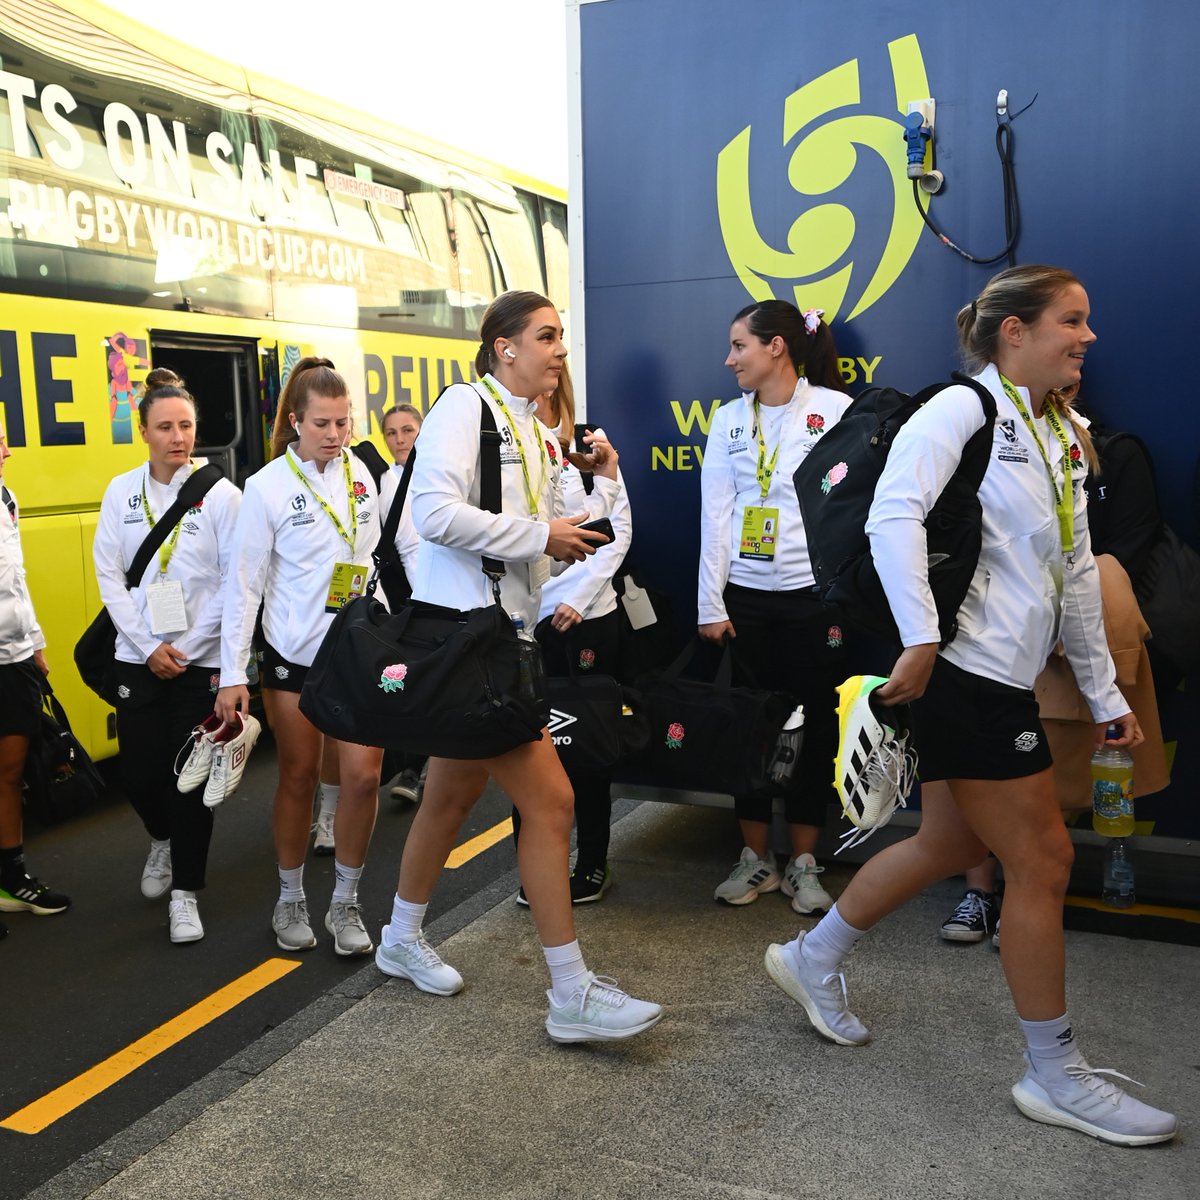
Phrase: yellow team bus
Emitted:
{"points": [[159, 207]]}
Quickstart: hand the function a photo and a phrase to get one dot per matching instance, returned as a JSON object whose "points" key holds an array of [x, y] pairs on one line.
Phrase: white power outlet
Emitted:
{"points": [[927, 109]]}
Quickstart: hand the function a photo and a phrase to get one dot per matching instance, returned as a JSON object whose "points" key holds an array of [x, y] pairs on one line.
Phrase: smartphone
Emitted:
{"points": [[604, 526], [580, 430]]}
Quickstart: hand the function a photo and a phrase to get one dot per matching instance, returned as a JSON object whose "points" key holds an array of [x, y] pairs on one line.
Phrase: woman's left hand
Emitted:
{"points": [[39, 661], [603, 457], [1131, 732], [563, 617]]}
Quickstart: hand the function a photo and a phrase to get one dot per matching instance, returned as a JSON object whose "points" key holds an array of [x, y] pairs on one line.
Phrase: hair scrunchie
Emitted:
{"points": [[812, 319]]}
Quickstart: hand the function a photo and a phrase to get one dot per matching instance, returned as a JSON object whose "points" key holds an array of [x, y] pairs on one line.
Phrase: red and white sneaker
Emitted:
{"points": [[231, 751], [199, 749]]}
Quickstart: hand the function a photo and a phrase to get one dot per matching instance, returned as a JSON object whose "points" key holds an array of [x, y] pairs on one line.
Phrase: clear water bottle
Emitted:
{"points": [[1118, 875], [787, 748], [1112, 789], [529, 666]]}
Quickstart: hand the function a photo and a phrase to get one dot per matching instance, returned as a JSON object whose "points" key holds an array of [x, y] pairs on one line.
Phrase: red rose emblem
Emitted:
{"points": [[675, 736], [815, 422], [360, 489], [1076, 454], [552, 451]]}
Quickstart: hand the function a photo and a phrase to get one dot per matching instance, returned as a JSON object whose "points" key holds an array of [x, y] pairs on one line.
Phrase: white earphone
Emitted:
{"points": [[509, 352]]}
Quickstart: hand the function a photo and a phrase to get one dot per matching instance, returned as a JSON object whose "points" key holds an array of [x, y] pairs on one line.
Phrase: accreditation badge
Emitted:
{"points": [[760, 533], [348, 583], [168, 614], [539, 573]]}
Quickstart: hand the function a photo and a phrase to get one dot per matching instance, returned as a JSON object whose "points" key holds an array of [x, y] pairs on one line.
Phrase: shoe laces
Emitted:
{"points": [[346, 912], [843, 1001], [886, 780], [969, 907], [601, 989], [423, 952], [323, 824], [158, 862], [296, 912], [1108, 1088]]}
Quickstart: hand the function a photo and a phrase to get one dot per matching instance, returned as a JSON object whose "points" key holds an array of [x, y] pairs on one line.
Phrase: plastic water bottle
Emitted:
{"points": [[1112, 789], [529, 663], [1118, 875], [787, 748]]}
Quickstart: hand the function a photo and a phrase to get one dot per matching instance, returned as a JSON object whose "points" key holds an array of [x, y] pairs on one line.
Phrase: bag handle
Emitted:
{"points": [[195, 487], [724, 676], [489, 500]]}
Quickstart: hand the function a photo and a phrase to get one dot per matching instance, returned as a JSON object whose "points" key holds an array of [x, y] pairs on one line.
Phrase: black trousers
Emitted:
{"points": [[593, 648], [154, 719], [791, 642]]}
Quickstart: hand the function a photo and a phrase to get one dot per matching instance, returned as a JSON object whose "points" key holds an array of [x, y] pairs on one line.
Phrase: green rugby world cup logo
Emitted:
{"points": [[817, 263]]}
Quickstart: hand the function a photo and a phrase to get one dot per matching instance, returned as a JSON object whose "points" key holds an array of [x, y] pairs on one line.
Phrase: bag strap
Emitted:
{"points": [[195, 487], [490, 442], [724, 676]]}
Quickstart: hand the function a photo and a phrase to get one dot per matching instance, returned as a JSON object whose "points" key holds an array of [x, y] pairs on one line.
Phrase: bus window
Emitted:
{"points": [[554, 247], [515, 240], [480, 279]]}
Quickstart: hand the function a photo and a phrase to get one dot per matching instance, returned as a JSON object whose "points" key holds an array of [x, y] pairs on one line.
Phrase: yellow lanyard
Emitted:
{"points": [[532, 496], [168, 547], [348, 538], [765, 469], [1064, 501]]}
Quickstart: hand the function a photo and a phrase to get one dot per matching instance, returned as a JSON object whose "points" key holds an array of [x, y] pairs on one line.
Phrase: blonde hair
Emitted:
{"points": [[1022, 292], [562, 405]]}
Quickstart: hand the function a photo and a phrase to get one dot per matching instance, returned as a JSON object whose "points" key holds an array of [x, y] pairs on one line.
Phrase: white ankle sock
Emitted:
{"points": [[567, 969], [329, 793], [405, 925], [345, 887], [291, 884], [825, 946], [1051, 1045]]}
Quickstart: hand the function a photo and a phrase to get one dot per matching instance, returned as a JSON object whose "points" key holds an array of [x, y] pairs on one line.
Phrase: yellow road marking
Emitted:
{"points": [[35, 1117], [1137, 910], [477, 845]]}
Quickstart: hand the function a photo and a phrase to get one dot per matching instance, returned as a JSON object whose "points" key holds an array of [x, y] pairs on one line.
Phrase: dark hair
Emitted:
{"points": [[310, 377], [1025, 293], [814, 355], [397, 409], [505, 317], [160, 384]]}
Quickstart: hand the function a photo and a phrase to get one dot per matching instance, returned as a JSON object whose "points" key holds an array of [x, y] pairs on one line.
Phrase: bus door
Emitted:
{"points": [[223, 374]]}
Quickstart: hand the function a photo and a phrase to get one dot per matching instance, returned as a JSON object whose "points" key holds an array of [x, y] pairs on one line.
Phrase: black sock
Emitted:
{"points": [[12, 865]]}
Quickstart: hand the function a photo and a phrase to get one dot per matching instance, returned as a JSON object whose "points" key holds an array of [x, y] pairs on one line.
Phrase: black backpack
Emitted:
{"points": [[835, 485], [60, 780]]}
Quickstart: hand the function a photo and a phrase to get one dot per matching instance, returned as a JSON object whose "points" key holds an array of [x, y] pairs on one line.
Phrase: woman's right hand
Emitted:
{"points": [[166, 662], [716, 631], [910, 675], [568, 543], [232, 700]]}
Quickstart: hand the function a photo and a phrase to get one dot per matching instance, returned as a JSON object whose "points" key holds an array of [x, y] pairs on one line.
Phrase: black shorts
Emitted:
{"points": [[969, 727], [20, 699], [276, 673]]}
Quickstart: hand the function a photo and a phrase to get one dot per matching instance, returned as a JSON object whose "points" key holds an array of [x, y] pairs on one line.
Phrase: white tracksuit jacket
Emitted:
{"points": [[455, 531], [1024, 597], [729, 483], [20, 633], [285, 550], [199, 563]]}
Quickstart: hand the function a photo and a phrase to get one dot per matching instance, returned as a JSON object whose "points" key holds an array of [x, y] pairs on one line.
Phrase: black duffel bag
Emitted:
{"points": [[426, 680], [596, 723], [711, 737]]}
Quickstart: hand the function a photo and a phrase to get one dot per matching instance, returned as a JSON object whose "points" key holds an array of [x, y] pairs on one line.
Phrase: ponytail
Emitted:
{"points": [[310, 377]]}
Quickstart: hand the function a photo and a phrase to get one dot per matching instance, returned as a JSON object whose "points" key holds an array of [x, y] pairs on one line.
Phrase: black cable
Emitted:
{"points": [[1012, 209]]}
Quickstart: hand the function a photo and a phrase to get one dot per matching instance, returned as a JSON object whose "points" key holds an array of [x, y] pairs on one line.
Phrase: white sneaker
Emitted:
{"points": [[156, 874], [822, 996], [231, 751], [407, 788], [875, 768], [199, 748], [344, 921], [185, 918], [1088, 1099], [323, 834], [291, 926], [748, 880], [599, 1011], [801, 883], [419, 962]]}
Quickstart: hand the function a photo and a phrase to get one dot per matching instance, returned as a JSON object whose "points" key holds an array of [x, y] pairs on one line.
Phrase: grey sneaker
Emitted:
{"points": [[823, 997], [156, 874], [407, 788], [1089, 1099], [800, 882], [599, 1011], [418, 962], [290, 922], [185, 919], [748, 880], [344, 921], [323, 834]]}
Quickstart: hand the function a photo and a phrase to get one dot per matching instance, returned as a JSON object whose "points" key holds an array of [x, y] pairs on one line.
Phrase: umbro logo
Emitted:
{"points": [[1066, 1037], [1026, 741], [560, 720], [281, 672], [122, 691]]}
